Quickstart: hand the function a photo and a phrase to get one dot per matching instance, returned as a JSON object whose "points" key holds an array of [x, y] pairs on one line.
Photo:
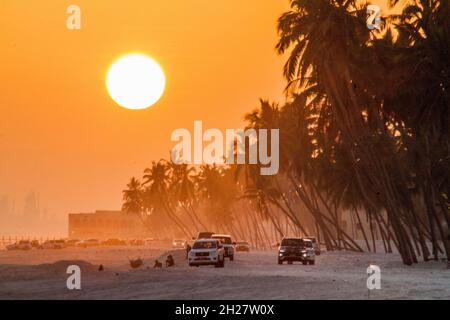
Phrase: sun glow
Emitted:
{"points": [[135, 81]]}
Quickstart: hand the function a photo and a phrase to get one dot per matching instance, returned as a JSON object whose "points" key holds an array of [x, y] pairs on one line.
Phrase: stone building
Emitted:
{"points": [[104, 225]]}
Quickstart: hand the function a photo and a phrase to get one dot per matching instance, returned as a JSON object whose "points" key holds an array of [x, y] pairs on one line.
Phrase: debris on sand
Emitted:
{"points": [[136, 263]]}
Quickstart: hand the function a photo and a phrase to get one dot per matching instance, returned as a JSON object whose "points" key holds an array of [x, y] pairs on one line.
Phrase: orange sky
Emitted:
{"points": [[60, 133]]}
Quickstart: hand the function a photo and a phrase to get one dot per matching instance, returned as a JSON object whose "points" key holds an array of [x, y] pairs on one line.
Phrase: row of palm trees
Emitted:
{"points": [[364, 132], [182, 200]]}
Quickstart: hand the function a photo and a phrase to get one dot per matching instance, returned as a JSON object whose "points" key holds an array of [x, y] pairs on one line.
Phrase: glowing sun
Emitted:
{"points": [[135, 81]]}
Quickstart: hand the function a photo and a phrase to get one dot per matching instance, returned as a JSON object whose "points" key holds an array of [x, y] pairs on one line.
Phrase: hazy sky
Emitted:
{"points": [[60, 133]]}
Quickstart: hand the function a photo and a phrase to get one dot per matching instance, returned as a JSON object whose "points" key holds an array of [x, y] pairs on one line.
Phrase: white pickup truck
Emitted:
{"points": [[227, 243], [206, 252]]}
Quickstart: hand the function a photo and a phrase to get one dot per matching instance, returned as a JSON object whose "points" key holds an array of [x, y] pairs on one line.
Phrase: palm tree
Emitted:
{"points": [[183, 189], [132, 197], [217, 191], [157, 198], [423, 49], [365, 129], [325, 67]]}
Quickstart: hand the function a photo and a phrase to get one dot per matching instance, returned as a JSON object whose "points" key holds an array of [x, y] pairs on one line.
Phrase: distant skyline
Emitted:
{"points": [[28, 217]]}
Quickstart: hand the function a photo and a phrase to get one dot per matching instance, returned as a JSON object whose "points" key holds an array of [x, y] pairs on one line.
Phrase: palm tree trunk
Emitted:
{"points": [[362, 227]]}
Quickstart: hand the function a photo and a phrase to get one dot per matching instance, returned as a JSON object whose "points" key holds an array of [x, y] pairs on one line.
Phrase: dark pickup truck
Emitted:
{"points": [[296, 249]]}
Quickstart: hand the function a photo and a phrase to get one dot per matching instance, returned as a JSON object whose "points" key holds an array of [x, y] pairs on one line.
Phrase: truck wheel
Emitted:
{"points": [[290, 262], [304, 262], [313, 262], [280, 261]]}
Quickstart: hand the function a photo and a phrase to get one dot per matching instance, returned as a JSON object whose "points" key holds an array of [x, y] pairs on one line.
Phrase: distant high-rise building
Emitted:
{"points": [[31, 208], [5, 206]]}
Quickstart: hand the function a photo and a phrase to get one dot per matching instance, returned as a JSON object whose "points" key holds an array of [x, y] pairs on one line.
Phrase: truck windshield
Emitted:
{"points": [[205, 245], [204, 235], [225, 240], [308, 244], [312, 239], [292, 243]]}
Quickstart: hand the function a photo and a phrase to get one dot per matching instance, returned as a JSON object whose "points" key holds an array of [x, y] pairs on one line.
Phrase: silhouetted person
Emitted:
{"points": [[100, 268], [170, 262], [188, 249], [158, 265]]}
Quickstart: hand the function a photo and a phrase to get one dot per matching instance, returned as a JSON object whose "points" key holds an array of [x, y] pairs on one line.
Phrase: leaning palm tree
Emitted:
{"points": [[157, 197], [419, 99], [326, 66], [183, 190], [217, 192]]}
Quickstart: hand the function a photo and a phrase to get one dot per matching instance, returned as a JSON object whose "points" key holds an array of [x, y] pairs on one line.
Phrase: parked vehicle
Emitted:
{"points": [[35, 244], [242, 246], [178, 244], [53, 244], [149, 241], [316, 245], [137, 242], [225, 241], [205, 235], [88, 243], [21, 245], [296, 249], [207, 252], [114, 242], [72, 242]]}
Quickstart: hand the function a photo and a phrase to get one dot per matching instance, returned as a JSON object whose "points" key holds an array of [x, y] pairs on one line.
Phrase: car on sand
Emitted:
{"points": [[137, 242], [207, 252], [227, 243], [35, 244], [72, 242], [242, 246], [114, 242], [316, 245], [205, 235], [296, 249], [53, 244], [21, 245], [178, 244], [88, 243], [149, 241]]}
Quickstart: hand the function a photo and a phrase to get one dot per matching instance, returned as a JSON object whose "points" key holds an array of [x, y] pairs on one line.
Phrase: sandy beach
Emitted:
{"points": [[41, 274]]}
